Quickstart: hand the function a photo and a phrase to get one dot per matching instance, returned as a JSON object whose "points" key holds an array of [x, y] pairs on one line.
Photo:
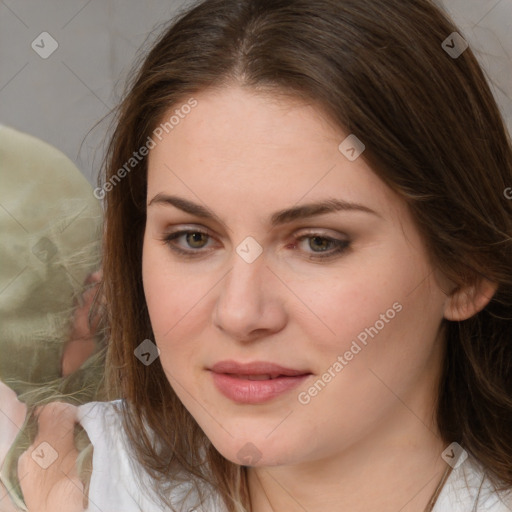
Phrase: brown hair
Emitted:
{"points": [[433, 133]]}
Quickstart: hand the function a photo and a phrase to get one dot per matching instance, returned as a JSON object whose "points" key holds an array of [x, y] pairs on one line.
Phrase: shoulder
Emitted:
{"points": [[469, 489], [115, 481], [118, 481]]}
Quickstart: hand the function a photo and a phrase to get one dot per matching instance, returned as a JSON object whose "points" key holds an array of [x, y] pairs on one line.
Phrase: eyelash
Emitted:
{"points": [[340, 245]]}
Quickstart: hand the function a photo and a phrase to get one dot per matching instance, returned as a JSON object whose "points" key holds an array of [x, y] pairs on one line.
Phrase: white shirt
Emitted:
{"points": [[116, 485]]}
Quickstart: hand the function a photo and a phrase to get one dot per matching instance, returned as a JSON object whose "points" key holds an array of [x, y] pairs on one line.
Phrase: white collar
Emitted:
{"points": [[468, 489]]}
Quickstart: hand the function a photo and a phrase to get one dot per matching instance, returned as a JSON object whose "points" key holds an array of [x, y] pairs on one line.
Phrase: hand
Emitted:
{"points": [[81, 343], [47, 470]]}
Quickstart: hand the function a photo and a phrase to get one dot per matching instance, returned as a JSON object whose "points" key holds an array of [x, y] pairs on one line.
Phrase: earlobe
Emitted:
{"points": [[465, 302]]}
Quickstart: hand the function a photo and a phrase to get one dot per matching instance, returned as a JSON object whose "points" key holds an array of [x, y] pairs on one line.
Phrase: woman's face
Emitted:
{"points": [[341, 298]]}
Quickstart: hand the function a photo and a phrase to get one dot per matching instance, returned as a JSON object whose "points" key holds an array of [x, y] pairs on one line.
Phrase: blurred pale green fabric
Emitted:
{"points": [[50, 225]]}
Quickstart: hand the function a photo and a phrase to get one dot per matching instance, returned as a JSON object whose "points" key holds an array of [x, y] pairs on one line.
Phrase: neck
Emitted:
{"points": [[397, 467]]}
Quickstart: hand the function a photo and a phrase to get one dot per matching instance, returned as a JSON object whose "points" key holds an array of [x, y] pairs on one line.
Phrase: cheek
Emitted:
{"points": [[345, 302], [175, 305], [164, 291], [156, 293], [381, 308]]}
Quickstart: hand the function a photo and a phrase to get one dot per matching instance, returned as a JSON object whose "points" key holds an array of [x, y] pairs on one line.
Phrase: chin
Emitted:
{"points": [[258, 452]]}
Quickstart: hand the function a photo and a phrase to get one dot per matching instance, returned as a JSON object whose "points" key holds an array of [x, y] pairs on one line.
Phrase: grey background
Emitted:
{"points": [[61, 98]]}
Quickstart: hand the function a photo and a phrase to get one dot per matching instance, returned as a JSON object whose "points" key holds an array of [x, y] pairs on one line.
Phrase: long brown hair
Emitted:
{"points": [[433, 133]]}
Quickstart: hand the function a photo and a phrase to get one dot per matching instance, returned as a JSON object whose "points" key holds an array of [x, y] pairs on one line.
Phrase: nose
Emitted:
{"points": [[250, 304]]}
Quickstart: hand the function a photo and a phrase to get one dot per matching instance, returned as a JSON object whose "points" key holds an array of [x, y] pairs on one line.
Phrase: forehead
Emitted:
{"points": [[246, 146]]}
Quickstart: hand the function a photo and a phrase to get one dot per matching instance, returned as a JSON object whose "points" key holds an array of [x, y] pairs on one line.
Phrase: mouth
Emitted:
{"points": [[262, 376], [254, 383], [256, 369]]}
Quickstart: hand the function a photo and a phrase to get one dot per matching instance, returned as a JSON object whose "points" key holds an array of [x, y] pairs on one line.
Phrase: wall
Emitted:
{"points": [[61, 97]]}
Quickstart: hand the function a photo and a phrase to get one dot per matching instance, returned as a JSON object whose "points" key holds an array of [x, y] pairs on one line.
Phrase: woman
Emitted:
{"points": [[307, 268]]}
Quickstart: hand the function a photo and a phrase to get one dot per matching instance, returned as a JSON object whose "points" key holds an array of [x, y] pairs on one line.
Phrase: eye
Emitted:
{"points": [[320, 243], [323, 246], [193, 242], [196, 240]]}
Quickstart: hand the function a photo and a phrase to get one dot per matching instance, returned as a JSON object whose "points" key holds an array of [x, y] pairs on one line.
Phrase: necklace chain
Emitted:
{"points": [[430, 504], [433, 499]]}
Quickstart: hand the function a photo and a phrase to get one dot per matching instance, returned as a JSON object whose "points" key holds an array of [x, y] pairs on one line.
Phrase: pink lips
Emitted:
{"points": [[254, 383]]}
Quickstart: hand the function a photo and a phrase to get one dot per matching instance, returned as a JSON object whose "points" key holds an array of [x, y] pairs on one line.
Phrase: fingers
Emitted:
{"points": [[91, 284], [47, 470], [95, 277], [82, 343], [81, 317], [56, 422]]}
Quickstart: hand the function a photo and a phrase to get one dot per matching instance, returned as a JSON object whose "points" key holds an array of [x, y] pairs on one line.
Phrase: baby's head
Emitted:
{"points": [[314, 190]]}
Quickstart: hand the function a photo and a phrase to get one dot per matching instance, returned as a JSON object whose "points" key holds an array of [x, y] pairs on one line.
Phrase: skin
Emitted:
{"points": [[81, 343], [368, 438], [47, 470], [46, 488]]}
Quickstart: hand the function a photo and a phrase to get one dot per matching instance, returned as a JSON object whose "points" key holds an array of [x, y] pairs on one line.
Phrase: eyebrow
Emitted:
{"points": [[287, 215]]}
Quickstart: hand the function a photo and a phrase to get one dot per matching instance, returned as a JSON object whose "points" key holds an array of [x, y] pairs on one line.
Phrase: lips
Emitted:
{"points": [[257, 382], [262, 376], [256, 369]]}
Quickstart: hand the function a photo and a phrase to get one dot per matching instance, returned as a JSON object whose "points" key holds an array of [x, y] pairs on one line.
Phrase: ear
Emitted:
{"points": [[465, 302]]}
